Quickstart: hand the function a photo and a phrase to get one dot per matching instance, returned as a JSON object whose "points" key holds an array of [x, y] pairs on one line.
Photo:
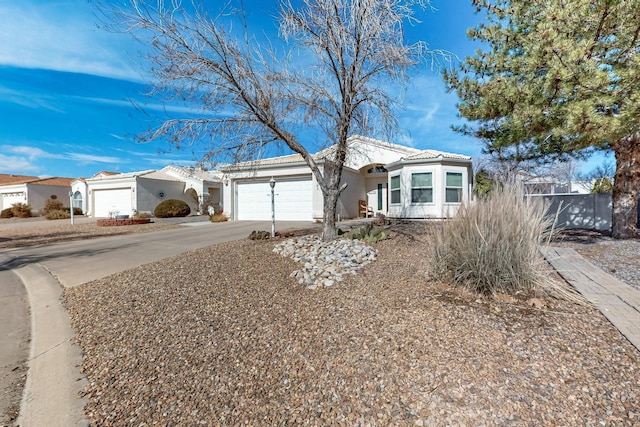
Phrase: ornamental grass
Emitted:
{"points": [[491, 246]]}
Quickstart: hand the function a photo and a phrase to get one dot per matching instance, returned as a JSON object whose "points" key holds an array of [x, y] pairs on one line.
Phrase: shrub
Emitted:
{"points": [[6, 213], [76, 211], [369, 234], [52, 205], [259, 235], [21, 210], [492, 246], [141, 215], [58, 214], [172, 208], [218, 216]]}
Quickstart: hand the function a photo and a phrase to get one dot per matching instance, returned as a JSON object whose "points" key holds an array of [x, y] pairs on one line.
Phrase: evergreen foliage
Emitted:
{"points": [[560, 79]]}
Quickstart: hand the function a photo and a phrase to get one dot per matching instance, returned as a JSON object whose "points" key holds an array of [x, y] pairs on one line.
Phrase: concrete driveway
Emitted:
{"points": [[51, 395], [77, 262]]}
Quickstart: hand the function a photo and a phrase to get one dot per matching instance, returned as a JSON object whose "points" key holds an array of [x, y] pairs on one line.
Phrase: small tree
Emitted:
{"points": [[599, 179], [333, 80]]}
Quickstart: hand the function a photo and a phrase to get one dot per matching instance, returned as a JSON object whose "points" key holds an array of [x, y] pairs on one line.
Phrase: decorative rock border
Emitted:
{"points": [[126, 221], [325, 263]]}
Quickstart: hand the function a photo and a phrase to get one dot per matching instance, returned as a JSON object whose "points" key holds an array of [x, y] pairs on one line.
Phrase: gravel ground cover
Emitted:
{"points": [[224, 336], [620, 258], [56, 233]]}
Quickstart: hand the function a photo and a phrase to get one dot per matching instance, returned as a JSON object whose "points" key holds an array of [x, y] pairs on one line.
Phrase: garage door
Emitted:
{"points": [[293, 200], [117, 201], [9, 199]]}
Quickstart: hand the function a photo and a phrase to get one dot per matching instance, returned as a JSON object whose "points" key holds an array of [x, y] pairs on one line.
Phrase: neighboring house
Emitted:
{"points": [[393, 180], [80, 191], [107, 194], [33, 191], [551, 185]]}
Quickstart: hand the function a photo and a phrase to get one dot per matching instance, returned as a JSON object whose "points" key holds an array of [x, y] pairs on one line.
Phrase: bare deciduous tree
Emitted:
{"points": [[332, 75]]}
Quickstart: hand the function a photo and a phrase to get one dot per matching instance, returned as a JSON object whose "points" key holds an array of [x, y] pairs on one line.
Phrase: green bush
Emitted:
{"points": [[58, 214], [259, 235], [6, 213], [369, 233], [21, 210], [172, 208], [491, 246], [52, 205]]}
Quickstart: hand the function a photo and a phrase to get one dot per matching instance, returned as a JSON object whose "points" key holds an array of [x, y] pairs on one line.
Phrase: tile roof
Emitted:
{"points": [[6, 179], [434, 154], [109, 176], [57, 181], [272, 161], [15, 179], [322, 154], [195, 173], [104, 173]]}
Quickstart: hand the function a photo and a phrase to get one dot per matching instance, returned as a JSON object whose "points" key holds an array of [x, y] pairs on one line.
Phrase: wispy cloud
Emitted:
{"points": [[62, 36], [28, 99], [91, 158], [28, 152], [29, 158], [18, 165], [118, 137]]}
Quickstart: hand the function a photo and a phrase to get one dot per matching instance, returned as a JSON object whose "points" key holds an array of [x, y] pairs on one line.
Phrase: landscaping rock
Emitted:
{"points": [[324, 263]]}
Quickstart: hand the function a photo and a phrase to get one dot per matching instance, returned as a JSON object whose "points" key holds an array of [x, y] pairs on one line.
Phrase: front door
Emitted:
{"points": [[377, 198]]}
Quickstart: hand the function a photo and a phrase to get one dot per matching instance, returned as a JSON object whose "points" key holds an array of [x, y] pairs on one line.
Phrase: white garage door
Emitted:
{"points": [[9, 199], [117, 201], [293, 200]]}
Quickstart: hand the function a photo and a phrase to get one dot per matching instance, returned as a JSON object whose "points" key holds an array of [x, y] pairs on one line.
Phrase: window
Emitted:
{"points": [[379, 197], [421, 188], [453, 187], [395, 189]]}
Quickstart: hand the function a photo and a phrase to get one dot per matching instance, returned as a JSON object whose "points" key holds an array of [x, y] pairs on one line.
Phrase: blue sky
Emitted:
{"points": [[66, 91]]}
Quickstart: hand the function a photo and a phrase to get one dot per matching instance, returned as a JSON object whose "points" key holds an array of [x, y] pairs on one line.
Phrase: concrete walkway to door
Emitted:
{"points": [[54, 382]]}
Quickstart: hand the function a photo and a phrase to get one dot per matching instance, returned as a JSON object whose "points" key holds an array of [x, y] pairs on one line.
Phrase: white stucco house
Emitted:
{"points": [[33, 191], [108, 194], [391, 179]]}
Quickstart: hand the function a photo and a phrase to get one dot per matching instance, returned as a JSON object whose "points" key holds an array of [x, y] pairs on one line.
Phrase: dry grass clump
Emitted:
{"points": [[218, 217], [58, 214], [491, 246], [20, 210]]}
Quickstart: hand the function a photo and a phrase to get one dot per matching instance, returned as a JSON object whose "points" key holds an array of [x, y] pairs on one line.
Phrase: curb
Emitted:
{"points": [[54, 382]]}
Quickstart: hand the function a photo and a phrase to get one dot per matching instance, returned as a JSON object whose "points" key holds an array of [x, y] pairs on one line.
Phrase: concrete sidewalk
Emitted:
{"points": [[54, 381]]}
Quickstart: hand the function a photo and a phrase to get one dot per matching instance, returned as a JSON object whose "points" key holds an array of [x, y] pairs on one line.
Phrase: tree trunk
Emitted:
{"points": [[626, 186], [329, 215]]}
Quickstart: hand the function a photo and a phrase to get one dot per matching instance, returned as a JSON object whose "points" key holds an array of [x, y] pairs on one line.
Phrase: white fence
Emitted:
{"points": [[590, 211]]}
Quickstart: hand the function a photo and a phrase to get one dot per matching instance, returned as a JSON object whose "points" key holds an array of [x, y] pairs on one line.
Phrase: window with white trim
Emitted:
{"points": [[394, 189], [453, 190], [421, 187]]}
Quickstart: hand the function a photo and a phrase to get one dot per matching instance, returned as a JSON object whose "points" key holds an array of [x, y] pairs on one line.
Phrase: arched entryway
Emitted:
{"points": [[77, 201], [193, 200]]}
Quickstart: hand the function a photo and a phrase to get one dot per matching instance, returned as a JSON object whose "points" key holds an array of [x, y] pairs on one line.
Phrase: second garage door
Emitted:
{"points": [[9, 199], [293, 200], [108, 202]]}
